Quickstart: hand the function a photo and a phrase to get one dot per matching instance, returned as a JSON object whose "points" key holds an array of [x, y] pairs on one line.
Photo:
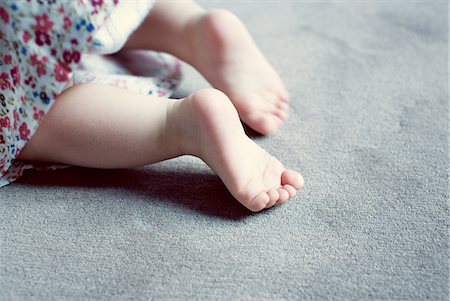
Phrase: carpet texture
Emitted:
{"points": [[368, 129]]}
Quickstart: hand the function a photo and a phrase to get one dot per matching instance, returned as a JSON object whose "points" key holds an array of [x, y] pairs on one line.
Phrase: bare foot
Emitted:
{"points": [[209, 128], [225, 53]]}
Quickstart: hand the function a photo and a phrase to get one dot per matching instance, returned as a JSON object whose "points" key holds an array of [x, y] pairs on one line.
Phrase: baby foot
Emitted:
{"points": [[209, 127], [226, 55]]}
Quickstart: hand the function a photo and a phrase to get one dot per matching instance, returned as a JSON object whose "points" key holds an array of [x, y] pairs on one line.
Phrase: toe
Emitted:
{"points": [[280, 93], [291, 190], [264, 123], [282, 114], [284, 95], [282, 105], [274, 196], [281, 110], [284, 195], [259, 202], [293, 178]]}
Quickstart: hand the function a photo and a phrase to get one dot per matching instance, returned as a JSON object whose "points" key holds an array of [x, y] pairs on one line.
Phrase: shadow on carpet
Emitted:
{"points": [[202, 192]]}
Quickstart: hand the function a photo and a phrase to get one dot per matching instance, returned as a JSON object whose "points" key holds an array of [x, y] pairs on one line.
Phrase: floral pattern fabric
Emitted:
{"points": [[43, 50]]}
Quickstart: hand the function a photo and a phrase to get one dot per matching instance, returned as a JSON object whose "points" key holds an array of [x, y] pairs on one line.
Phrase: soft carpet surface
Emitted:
{"points": [[368, 129]]}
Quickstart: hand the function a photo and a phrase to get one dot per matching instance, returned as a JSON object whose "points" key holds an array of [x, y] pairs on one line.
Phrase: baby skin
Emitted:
{"points": [[219, 46], [91, 125]]}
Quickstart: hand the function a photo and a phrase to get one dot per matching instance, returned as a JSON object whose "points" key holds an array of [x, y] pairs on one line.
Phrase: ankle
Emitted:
{"points": [[179, 133], [172, 132], [189, 120]]}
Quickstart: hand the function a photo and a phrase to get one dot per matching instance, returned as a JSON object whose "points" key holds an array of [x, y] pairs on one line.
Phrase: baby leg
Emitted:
{"points": [[101, 126], [219, 46], [105, 127]]}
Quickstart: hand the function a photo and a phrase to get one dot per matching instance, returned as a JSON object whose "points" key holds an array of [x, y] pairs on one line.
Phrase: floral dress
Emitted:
{"points": [[47, 46]]}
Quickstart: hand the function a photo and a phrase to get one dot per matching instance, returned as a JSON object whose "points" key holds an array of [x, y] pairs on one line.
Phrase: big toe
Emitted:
{"points": [[264, 122], [292, 178]]}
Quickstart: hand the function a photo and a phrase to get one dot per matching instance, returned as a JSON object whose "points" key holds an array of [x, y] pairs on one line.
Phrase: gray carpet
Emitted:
{"points": [[369, 131]]}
